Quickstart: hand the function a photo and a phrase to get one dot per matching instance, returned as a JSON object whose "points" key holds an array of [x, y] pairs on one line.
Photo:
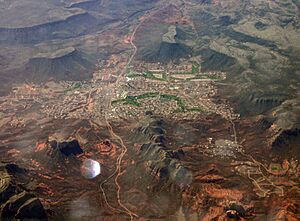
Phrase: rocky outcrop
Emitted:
{"points": [[13, 168], [171, 47], [32, 208], [214, 60], [79, 3], [164, 37], [7, 188], [63, 64], [66, 148], [172, 52], [235, 211], [11, 207], [60, 154], [160, 160], [204, 1], [251, 103], [265, 122], [72, 26], [285, 136], [285, 131], [286, 141], [264, 102], [16, 202]]}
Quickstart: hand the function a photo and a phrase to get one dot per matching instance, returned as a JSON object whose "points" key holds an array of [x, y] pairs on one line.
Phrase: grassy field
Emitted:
{"points": [[171, 97], [195, 70], [146, 74], [133, 100], [74, 86], [194, 73]]}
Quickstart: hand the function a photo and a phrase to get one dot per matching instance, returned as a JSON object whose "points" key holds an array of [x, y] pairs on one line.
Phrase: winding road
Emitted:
{"points": [[118, 171]]}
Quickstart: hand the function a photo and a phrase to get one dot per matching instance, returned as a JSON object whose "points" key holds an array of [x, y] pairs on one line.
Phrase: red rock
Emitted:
{"points": [[209, 179]]}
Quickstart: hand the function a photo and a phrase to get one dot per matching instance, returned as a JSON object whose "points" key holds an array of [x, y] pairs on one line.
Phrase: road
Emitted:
{"points": [[109, 91]]}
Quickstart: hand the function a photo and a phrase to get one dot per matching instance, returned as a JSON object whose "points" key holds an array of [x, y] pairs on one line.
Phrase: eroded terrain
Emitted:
{"points": [[190, 107]]}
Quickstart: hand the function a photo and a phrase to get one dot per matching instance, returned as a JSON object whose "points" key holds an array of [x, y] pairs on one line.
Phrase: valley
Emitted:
{"points": [[191, 108]]}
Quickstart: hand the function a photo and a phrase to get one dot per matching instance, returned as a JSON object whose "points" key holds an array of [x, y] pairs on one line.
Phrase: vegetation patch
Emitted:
{"points": [[74, 86], [147, 74], [147, 95], [202, 76], [133, 100], [150, 75], [179, 101], [129, 100], [196, 109], [133, 74], [195, 70]]}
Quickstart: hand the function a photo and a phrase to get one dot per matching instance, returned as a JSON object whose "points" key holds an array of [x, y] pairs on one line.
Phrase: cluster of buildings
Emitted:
{"points": [[67, 108], [196, 95], [175, 99]]}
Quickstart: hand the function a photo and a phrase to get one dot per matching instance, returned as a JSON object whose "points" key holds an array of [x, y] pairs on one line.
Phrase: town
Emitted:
{"points": [[175, 91]]}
